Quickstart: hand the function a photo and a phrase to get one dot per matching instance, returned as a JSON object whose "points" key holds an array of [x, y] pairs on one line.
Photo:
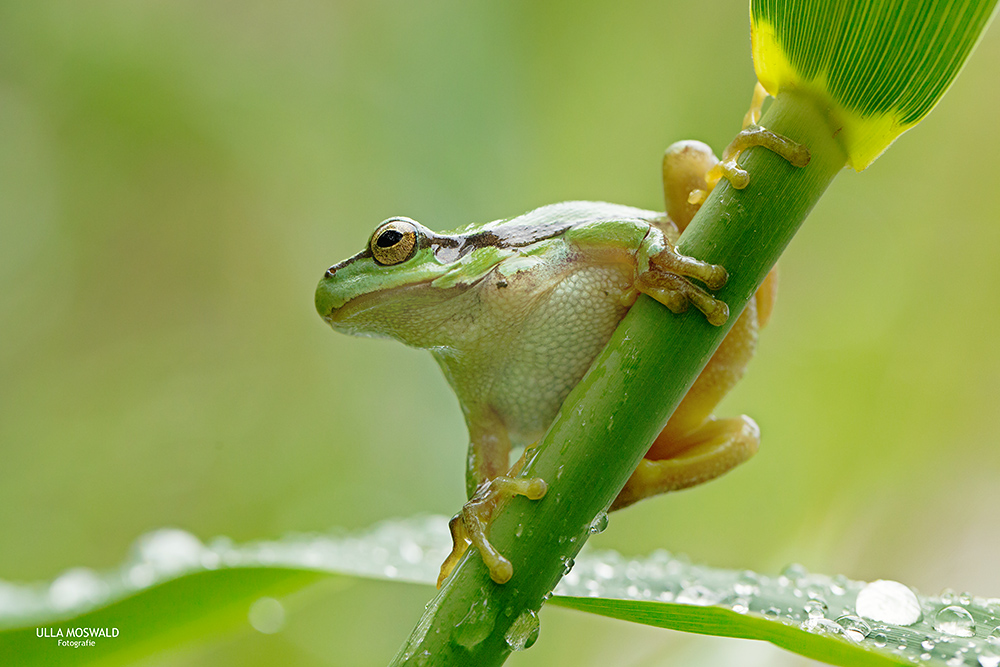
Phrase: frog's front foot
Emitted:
{"points": [[687, 157], [469, 525], [665, 278], [755, 135]]}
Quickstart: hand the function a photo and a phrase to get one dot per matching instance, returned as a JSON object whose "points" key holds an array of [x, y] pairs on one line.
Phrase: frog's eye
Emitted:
{"points": [[394, 242]]}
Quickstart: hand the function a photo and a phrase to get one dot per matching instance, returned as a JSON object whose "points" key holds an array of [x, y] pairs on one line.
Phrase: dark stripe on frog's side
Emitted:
{"points": [[513, 235]]}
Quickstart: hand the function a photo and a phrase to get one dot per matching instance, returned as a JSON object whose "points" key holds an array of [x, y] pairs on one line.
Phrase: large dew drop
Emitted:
{"points": [[955, 621], [267, 616], [523, 632], [888, 602], [476, 626]]}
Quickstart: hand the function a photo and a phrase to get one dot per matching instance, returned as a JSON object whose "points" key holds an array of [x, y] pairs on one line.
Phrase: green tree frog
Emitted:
{"points": [[515, 311]]}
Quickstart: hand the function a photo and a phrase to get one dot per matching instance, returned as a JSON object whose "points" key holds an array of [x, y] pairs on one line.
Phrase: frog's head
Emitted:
{"points": [[398, 282]]}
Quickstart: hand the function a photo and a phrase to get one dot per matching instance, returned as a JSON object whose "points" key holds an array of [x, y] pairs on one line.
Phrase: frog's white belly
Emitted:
{"points": [[537, 333], [559, 340]]}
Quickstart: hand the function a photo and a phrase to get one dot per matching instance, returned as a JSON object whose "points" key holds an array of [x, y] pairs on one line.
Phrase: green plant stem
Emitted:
{"points": [[607, 422]]}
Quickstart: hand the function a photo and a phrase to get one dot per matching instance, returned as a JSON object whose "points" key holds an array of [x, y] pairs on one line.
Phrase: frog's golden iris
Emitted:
{"points": [[394, 241]]}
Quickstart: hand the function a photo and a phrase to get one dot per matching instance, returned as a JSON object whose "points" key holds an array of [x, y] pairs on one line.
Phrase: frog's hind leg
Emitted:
{"points": [[695, 447], [471, 524], [716, 448]]}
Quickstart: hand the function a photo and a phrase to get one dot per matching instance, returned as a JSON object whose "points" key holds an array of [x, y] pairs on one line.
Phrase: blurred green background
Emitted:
{"points": [[175, 176]]}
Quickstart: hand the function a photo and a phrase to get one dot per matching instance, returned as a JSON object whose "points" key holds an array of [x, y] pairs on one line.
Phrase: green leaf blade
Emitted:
{"points": [[878, 67], [720, 622], [806, 613]]}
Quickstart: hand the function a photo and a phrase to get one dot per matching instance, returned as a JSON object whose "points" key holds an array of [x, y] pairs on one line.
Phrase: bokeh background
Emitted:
{"points": [[176, 175]]}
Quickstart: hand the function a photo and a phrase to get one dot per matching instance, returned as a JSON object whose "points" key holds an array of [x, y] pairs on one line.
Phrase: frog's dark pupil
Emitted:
{"points": [[389, 238]]}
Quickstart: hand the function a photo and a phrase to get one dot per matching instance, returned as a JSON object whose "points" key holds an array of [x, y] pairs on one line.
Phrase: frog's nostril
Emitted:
{"points": [[329, 272]]}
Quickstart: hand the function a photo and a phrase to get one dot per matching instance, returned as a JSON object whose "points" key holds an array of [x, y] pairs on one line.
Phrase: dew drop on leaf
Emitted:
{"points": [[816, 609], [855, 628], [989, 660], [821, 626], [955, 621], [888, 602], [599, 524]]}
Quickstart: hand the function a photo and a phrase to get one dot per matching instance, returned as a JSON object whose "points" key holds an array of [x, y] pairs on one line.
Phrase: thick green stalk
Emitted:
{"points": [[608, 421]]}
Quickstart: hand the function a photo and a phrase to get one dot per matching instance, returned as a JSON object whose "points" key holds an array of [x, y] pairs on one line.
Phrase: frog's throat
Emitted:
{"points": [[413, 314]]}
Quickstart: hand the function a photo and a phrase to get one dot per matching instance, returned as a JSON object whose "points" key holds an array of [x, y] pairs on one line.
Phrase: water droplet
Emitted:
{"points": [[816, 609], [698, 595], [947, 596], [994, 637], [987, 660], [746, 590], [77, 587], [169, 550], [965, 599], [523, 632], [955, 661], [740, 605], [519, 530], [475, 626], [772, 612], [599, 524], [955, 621], [927, 645], [568, 564], [794, 571], [855, 628], [821, 626], [529, 456], [267, 615], [879, 639], [888, 602]]}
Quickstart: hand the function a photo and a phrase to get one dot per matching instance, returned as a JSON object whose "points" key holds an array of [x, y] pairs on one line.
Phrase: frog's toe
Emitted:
{"points": [[676, 292], [459, 543], [471, 524], [755, 135]]}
